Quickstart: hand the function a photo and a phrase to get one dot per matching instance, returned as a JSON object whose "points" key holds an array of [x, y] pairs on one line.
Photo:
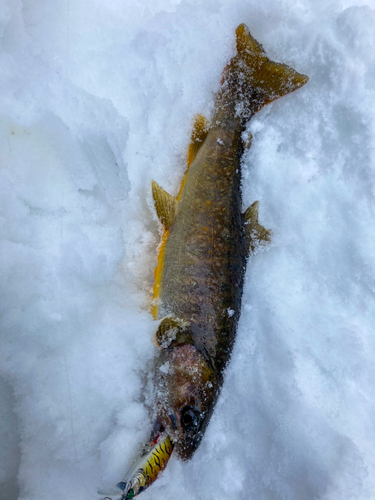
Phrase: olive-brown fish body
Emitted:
{"points": [[206, 242], [206, 251]]}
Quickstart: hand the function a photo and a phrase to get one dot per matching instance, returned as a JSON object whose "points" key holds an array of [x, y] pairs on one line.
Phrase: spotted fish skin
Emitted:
{"points": [[202, 259], [205, 246]]}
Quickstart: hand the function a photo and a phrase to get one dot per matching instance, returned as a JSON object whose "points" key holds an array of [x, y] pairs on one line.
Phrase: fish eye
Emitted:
{"points": [[190, 418]]}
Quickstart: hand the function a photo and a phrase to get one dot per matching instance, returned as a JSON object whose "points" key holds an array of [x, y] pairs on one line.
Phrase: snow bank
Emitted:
{"points": [[97, 99]]}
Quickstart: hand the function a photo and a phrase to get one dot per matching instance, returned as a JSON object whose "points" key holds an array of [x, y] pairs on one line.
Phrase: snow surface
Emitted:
{"points": [[97, 99]]}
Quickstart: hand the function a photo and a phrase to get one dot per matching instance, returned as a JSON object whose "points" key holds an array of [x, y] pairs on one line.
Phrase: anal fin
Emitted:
{"points": [[165, 205], [256, 234], [198, 136]]}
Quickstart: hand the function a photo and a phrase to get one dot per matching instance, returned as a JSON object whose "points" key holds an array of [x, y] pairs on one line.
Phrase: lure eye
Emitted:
{"points": [[190, 418]]}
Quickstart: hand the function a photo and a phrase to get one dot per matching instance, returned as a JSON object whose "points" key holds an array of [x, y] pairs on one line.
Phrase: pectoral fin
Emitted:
{"points": [[169, 330], [165, 204], [198, 136], [256, 234]]}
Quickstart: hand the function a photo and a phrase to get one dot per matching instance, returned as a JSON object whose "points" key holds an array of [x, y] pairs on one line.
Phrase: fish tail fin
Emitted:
{"points": [[254, 79]]}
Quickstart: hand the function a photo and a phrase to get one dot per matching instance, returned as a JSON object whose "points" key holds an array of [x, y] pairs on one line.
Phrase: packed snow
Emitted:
{"points": [[97, 99]]}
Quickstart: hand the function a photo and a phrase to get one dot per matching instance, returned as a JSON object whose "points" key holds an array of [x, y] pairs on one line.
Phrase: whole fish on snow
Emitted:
{"points": [[202, 259]]}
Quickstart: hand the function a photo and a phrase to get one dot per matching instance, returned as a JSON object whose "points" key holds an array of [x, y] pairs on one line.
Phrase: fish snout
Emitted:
{"points": [[184, 427]]}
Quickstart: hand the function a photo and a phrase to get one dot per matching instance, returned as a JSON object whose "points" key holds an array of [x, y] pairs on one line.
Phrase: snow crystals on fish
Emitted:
{"points": [[97, 99]]}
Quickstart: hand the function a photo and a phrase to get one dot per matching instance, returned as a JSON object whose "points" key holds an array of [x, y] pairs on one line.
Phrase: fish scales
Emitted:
{"points": [[205, 253], [202, 259], [207, 239]]}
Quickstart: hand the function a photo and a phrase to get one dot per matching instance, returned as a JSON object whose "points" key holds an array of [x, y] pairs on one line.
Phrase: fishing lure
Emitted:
{"points": [[153, 461]]}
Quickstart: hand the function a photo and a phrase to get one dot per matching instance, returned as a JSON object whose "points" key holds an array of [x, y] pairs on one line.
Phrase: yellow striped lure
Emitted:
{"points": [[153, 460]]}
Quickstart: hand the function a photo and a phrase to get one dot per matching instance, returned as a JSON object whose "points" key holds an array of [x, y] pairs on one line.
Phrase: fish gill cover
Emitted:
{"points": [[97, 99]]}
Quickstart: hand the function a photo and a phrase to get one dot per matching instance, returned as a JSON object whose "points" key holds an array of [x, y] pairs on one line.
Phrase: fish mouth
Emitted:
{"points": [[184, 428], [186, 449]]}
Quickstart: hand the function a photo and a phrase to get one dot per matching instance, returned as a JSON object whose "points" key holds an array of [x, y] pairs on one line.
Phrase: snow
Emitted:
{"points": [[98, 99]]}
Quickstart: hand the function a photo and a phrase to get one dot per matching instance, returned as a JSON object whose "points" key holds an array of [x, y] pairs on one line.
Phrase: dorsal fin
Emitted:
{"points": [[198, 136], [255, 233], [165, 204]]}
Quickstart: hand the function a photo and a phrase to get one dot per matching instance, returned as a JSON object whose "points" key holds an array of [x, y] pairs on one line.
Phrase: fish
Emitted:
{"points": [[206, 242]]}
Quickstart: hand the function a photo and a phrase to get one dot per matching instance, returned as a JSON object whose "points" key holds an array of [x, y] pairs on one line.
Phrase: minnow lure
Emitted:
{"points": [[203, 254], [153, 461]]}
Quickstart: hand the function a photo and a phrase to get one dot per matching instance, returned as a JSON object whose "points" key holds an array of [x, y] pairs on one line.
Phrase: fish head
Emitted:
{"points": [[185, 392]]}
